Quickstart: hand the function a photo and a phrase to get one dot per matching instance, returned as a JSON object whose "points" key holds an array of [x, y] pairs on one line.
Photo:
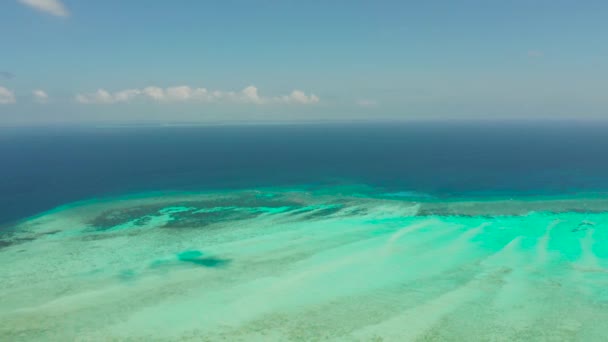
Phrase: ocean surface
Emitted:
{"points": [[42, 168], [489, 231]]}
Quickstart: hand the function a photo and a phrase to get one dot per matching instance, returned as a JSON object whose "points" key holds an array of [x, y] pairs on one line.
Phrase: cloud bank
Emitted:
{"points": [[189, 94], [7, 96], [52, 7], [40, 96]]}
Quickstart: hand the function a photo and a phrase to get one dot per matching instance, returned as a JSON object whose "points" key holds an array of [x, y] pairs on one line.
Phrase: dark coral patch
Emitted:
{"points": [[14, 241], [322, 213], [197, 258], [583, 226], [112, 218], [203, 219], [126, 275], [202, 213]]}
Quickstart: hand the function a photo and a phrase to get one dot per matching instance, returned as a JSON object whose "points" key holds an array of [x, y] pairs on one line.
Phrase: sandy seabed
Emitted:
{"points": [[296, 265]]}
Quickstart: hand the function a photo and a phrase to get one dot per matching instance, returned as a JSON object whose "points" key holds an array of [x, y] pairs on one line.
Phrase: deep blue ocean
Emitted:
{"points": [[41, 168]]}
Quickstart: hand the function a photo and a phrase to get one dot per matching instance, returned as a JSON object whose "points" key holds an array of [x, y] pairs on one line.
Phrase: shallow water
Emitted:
{"points": [[284, 264]]}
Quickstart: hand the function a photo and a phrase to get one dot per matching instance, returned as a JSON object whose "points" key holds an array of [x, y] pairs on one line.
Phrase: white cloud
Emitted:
{"points": [[7, 96], [298, 96], [188, 94], [53, 7], [126, 95], [100, 96], [181, 93], [40, 96], [366, 102], [155, 93], [251, 95]]}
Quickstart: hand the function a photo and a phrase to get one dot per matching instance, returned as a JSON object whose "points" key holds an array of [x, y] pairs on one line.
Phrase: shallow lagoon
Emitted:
{"points": [[293, 264]]}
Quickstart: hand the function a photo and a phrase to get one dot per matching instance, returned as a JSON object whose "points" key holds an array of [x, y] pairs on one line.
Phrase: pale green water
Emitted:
{"points": [[296, 265]]}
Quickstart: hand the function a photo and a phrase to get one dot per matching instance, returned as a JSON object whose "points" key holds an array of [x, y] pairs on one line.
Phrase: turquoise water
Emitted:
{"points": [[338, 264]]}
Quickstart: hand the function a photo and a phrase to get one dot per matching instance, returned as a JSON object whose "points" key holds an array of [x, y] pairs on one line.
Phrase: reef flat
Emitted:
{"points": [[284, 264]]}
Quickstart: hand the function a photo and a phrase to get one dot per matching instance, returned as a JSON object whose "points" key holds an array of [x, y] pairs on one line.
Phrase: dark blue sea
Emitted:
{"points": [[44, 167]]}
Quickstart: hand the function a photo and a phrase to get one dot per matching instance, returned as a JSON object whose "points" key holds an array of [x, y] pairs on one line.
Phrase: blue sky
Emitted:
{"points": [[117, 60]]}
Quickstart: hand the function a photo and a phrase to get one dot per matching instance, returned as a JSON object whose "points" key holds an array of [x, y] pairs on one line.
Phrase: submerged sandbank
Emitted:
{"points": [[287, 264]]}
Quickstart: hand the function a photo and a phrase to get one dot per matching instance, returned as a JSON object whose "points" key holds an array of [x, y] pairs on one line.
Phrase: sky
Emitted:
{"points": [[73, 61]]}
